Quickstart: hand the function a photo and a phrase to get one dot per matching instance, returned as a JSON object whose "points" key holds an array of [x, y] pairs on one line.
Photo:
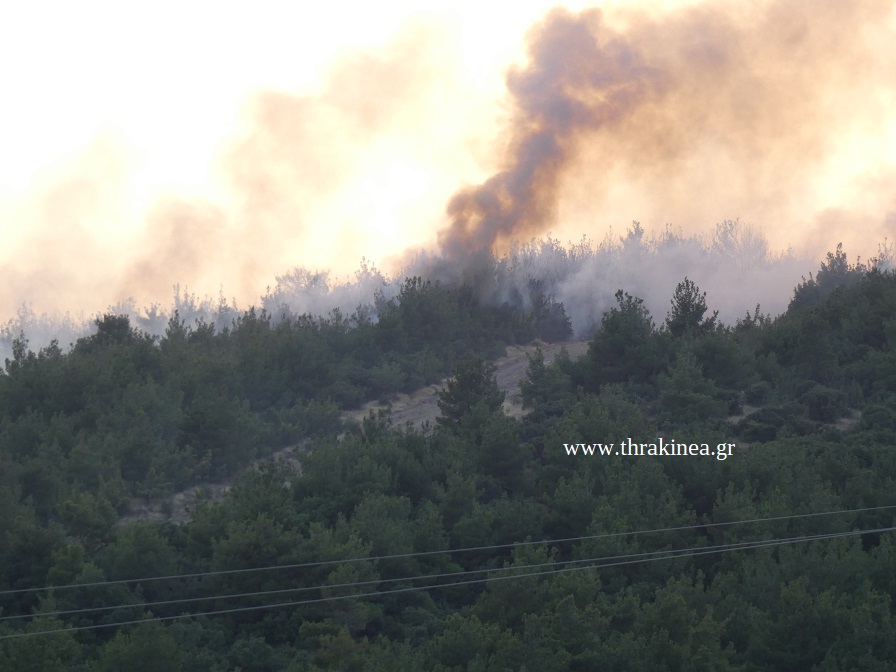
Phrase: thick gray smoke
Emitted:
{"points": [[582, 77], [733, 263], [776, 112], [690, 117]]}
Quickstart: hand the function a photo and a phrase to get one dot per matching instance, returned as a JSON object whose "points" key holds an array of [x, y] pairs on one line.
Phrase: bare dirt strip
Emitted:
{"points": [[422, 406], [416, 408]]}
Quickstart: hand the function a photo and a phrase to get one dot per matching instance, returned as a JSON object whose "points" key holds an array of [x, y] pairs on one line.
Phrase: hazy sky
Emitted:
{"points": [[220, 144]]}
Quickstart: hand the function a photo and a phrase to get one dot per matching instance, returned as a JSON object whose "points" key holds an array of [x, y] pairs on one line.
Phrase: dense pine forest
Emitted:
{"points": [[477, 543]]}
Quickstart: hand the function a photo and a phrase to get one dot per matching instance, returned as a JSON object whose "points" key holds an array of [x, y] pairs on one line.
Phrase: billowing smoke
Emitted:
{"points": [[299, 181], [695, 116], [732, 262], [581, 78], [778, 113]]}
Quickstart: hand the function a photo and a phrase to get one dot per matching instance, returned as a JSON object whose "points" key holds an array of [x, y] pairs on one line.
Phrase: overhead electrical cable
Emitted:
{"points": [[356, 584], [671, 554], [447, 551]]}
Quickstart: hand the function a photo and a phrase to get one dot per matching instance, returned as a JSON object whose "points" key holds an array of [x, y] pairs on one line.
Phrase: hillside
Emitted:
{"points": [[421, 406], [417, 408], [481, 542]]}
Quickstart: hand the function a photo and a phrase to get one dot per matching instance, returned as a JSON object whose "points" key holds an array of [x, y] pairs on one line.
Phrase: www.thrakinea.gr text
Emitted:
{"points": [[655, 448]]}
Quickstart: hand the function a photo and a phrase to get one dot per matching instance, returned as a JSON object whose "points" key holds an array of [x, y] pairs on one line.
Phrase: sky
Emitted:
{"points": [[215, 146]]}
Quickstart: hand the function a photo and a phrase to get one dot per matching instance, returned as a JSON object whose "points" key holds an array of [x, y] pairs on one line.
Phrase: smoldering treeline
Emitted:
{"points": [[733, 263]]}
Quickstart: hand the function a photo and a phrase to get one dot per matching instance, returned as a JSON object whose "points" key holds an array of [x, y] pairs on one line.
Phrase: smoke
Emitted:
{"points": [[732, 262], [773, 119], [695, 116], [305, 292], [65, 221], [299, 181], [579, 80], [320, 176]]}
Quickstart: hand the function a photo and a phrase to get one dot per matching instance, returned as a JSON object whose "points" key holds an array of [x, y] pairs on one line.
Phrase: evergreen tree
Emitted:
{"points": [[472, 391], [688, 309], [833, 273], [625, 349]]}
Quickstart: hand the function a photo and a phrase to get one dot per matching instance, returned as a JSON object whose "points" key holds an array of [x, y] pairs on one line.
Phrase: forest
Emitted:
{"points": [[475, 543]]}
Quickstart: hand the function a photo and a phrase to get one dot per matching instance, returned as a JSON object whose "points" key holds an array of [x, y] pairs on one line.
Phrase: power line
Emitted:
{"points": [[655, 556], [356, 584], [321, 563], [485, 570]]}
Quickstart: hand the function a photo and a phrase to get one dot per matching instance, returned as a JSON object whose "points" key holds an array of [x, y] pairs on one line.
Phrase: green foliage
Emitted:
{"points": [[147, 647], [470, 396], [722, 359], [489, 503], [129, 415], [547, 316], [53, 651], [824, 404], [686, 395], [626, 348], [88, 516], [688, 309], [758, 393], [833, 273], [545, 389]]}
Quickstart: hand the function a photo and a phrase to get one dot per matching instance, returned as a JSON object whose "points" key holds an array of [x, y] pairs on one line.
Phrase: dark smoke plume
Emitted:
{"points": [[703, 109], [775, 112], [592, 80]]}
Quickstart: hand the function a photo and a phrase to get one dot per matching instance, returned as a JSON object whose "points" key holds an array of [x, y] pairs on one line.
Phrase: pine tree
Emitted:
{"points": [[473, 389], [688, 309]]}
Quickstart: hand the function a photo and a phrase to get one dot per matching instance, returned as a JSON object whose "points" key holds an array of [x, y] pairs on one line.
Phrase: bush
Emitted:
{"points": [[878, 417], [758, 432], [758, 393], [386, 378], [824, 404]]}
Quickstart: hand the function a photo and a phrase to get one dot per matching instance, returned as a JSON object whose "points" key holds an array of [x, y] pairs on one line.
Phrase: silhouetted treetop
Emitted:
{"points": [[688, 309]]}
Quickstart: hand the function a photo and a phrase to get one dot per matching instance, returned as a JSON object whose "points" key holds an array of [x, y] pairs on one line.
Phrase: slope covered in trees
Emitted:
{"points": [[367, 537]]}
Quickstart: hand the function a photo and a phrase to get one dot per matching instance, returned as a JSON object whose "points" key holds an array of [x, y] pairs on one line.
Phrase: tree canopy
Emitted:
{"points": [[484, 542]]}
